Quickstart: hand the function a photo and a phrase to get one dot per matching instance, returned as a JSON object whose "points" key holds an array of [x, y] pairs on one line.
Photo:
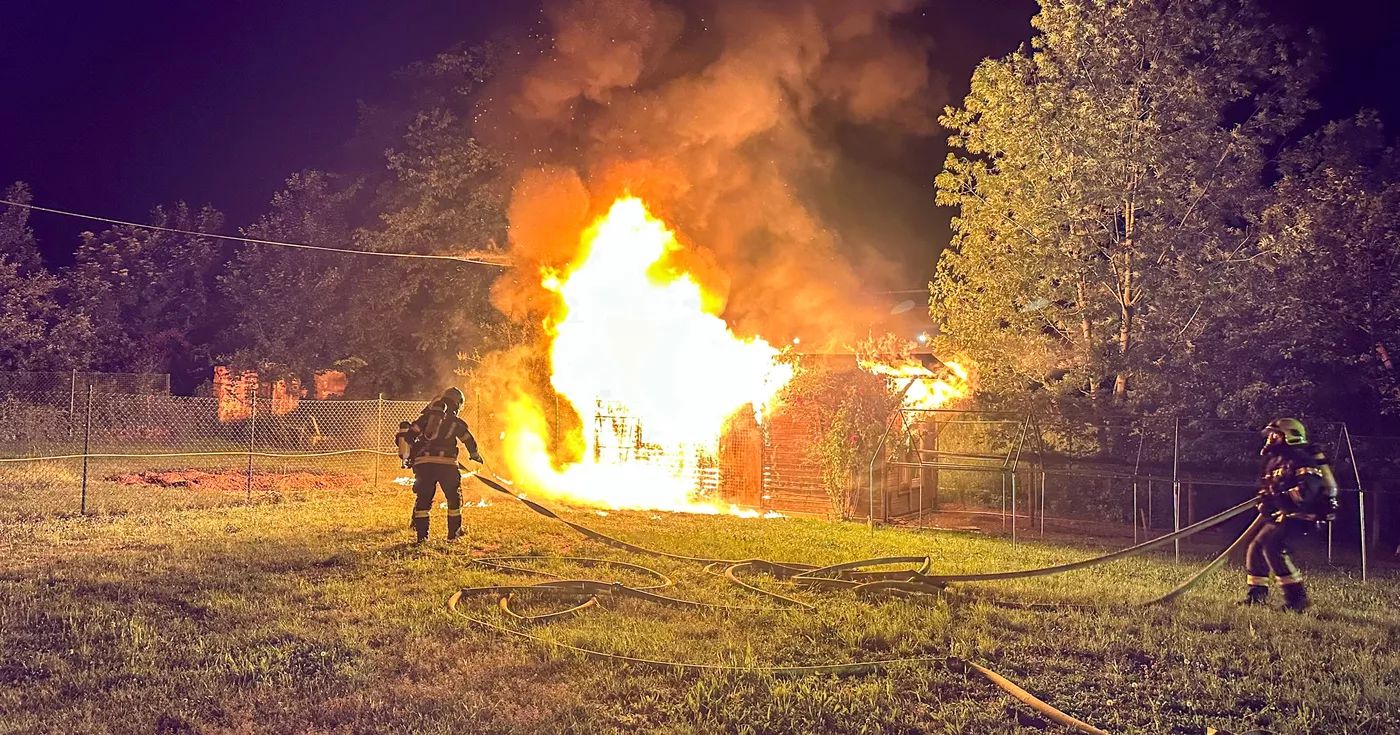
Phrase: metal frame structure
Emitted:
{"points": [[934, 459], [1028, 448]]}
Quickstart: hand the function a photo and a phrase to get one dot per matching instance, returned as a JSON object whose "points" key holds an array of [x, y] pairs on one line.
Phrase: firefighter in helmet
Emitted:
{"points": [[428, 444], [1297, 493]]}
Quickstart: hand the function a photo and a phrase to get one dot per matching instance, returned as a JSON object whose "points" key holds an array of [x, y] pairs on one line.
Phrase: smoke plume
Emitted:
{"points": [[723, 116]]}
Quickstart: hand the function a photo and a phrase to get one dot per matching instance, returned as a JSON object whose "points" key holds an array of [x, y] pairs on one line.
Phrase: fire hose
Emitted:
{"points": [[855, 575]]}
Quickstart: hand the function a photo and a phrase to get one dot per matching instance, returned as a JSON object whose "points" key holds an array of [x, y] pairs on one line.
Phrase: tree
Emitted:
{"points": [[17, 242], [1107, 194], [151, 294], [1328, 330], [36, 332], [443, 193], [293, 311]]}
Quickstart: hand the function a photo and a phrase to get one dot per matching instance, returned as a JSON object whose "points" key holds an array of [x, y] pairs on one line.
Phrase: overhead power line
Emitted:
{"points": [[477, 258]]}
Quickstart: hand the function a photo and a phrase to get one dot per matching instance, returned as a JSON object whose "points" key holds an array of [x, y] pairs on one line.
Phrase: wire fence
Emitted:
{"points": [[123, 444], [116, 452], [75, 383], [1136, 478]]}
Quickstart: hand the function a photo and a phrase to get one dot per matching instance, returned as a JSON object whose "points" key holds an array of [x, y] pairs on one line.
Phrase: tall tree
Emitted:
{"points": [[17, 241], [151, 294], [37, 332], [1106, 194], [1327, 332], [293, 311], [443, 193]]}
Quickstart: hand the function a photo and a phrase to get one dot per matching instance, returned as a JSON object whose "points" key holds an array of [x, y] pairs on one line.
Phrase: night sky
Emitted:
{"points": [[111, 108]]}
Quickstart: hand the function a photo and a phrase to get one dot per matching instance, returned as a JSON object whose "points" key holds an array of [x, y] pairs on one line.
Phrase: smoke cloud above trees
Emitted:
{"points": [[723, 119]]}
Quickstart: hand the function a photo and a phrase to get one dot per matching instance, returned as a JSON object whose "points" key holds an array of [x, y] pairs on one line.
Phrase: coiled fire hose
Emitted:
{"points": [[851, 575]]}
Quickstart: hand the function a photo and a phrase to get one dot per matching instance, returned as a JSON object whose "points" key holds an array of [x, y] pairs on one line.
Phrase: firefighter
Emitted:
{"points": [[429, 446], [1297, 493]]}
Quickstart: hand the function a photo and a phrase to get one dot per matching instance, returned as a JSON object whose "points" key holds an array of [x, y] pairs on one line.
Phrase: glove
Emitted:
{"points": [[476, 457]]}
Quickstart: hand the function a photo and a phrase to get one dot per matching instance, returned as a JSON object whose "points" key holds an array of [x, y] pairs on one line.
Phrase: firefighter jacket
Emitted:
{"points": [[1298, 483], [432, 439]]}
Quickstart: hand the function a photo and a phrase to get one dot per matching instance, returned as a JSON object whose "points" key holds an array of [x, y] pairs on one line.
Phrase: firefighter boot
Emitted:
{"points": [[1295, 597], [420, 525], [454, 524], [1258, 594]]}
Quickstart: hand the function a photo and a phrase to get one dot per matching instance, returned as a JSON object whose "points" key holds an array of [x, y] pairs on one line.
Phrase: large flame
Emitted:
{"points": [[650, 369], [922, 387]]}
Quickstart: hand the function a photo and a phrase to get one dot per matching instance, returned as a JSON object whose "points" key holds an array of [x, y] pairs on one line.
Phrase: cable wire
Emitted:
{"points": [[256, 241]]}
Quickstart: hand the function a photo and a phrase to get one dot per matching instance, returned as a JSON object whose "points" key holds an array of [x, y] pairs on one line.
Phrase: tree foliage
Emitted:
{"points": [[17, 242], [150, 294], [294, 311], [1331, 277], [1108, 191], [442, 193], [37, 331], [400, 323]]}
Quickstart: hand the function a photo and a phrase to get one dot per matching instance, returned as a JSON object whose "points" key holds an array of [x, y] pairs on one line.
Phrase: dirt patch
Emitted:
{"points": [[237, 482]]}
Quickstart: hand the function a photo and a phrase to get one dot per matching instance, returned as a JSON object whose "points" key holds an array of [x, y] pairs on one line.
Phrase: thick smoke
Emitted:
{"points": [[723, 117]]}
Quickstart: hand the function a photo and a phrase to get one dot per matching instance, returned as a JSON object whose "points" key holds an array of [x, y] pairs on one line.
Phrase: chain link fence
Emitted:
{"points": [[74, 383], [119, 452], [123, 444], [1134, 478]]}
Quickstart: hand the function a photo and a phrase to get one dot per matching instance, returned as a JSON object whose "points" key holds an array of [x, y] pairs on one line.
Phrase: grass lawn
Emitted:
{"points": [[317, 616]]}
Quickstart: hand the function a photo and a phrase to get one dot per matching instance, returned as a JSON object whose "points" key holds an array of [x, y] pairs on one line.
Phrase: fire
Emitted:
{"points": [[923, 388], [643, 358]]}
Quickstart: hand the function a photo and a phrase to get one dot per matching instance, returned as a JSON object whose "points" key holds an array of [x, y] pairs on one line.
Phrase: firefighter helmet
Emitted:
{"points": [[1291, 430], [454, 399]]}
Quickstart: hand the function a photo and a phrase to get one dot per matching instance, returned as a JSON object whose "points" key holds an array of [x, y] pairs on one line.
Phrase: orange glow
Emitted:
{"points": [[643, 358], [926, 389]]}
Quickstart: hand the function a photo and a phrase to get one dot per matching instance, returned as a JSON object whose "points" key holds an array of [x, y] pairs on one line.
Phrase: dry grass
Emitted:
{"points": [[317, 617]]}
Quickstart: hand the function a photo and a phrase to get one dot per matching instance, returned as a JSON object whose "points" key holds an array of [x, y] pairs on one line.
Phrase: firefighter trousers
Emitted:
{"points": [[426, 480], [1268, 553]]}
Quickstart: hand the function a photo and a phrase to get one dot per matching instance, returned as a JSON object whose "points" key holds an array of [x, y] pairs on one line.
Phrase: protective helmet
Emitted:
{"points": [[1291, 430], [453, 399]]}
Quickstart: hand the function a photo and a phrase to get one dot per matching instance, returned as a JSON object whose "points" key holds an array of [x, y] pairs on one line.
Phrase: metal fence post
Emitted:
{"points": [[1013, 508], [1003, 500], [1336, 455], [378, 438], [1360, 499], [87, 433], [1042, 503], [874, 455], [72, 400], [252, 431], [1137, 468], [1015, 463], [1176, 486]]}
